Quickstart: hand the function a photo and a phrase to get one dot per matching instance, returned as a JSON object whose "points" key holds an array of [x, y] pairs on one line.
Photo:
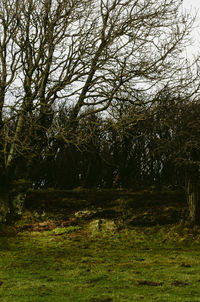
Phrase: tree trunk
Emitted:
{"points": [[4, 208], [12, 197], [16, 136], [193, 199]]}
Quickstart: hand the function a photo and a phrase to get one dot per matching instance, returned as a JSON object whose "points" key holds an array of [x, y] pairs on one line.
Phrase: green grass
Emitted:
{"points": [[142, 264]]}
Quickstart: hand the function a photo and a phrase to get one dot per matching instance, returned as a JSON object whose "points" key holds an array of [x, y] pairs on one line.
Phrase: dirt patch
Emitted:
{"points": [[103, 299], [149, 283], [179, 283], [185, 265]]}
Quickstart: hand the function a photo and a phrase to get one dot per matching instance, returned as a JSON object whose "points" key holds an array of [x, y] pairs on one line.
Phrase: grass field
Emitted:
{"points": [[73, 264]]}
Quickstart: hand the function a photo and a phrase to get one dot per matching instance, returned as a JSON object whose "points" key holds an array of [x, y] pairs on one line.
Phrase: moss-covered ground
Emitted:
{"points": [[57, 257], [61, 264]]}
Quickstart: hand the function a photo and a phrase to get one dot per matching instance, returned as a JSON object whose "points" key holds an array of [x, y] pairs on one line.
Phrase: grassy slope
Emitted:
{"points": [[58, 261], [142, 264]]}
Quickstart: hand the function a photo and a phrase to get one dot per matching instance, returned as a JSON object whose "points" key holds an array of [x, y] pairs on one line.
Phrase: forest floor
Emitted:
{"points": [[95, 255]]}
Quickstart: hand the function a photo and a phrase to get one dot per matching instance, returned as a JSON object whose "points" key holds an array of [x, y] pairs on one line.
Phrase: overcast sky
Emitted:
{"points": [[194, 6], [193, 3]]}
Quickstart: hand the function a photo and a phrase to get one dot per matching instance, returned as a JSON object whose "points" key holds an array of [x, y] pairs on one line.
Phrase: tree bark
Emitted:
{"points": [[193, 199]]}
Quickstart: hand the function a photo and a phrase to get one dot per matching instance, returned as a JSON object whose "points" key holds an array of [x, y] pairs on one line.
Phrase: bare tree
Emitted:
{"points": [[88, 54], [84, 52]]}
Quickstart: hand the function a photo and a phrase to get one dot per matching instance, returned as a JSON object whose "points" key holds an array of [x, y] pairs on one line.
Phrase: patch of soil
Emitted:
{"points": [[185, 265], [179, 283], [139, 259], [150, 283], [103, 299]]}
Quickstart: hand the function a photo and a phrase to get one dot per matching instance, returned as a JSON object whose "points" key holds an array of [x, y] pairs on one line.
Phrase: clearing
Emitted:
{"points": [[100, 255]]}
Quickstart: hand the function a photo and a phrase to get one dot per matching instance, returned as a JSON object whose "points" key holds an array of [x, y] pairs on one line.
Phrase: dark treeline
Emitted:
{"points": [[131, 148]]}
